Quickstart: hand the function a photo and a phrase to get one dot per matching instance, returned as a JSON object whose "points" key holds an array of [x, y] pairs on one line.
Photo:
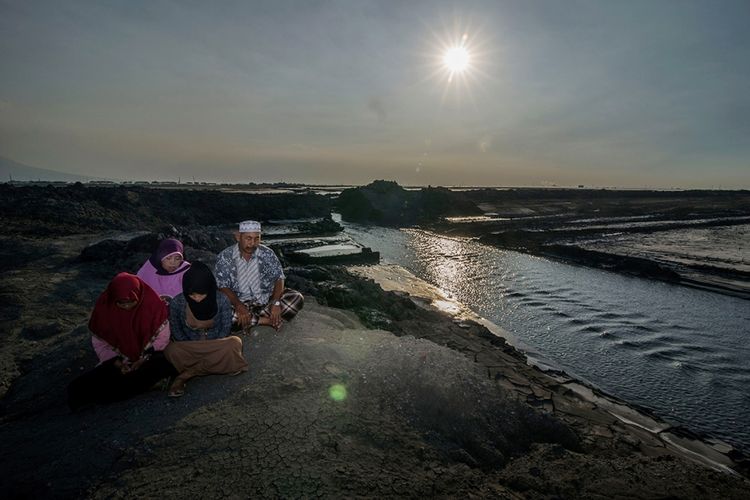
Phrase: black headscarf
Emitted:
{"points": [[200, 279]]}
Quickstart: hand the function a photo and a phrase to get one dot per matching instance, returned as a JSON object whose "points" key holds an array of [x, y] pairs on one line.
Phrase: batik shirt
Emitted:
{"points": [[230, 260]]}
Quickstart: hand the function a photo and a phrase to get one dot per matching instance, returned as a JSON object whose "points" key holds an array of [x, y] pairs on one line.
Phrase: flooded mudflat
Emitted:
{"points": [[725, 247]]}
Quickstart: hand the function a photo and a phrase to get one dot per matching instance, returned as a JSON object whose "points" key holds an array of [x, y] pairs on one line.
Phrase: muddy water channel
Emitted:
{"points": [[680, 352]]}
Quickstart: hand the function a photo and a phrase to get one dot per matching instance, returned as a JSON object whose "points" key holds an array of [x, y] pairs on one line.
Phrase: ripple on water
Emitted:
{"points": [[533, 303], [634, 316], [641, 329], [740, 372], [550, 309], [607, 315], [675, 327], [569, 300], [665, 353], [637, 345], [698, 348], [654, 340], [561, 314], [576, 321], [589, 329]]}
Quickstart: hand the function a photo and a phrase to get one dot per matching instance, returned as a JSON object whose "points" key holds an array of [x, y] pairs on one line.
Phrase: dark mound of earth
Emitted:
{"points": [[387, 203]]}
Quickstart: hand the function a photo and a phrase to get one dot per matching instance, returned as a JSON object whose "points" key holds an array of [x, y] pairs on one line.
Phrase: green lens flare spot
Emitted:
{"points": [[337, 392]]}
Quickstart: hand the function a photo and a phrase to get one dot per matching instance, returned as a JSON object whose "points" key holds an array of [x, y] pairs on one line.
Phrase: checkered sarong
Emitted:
{"points": [[292, 302]]}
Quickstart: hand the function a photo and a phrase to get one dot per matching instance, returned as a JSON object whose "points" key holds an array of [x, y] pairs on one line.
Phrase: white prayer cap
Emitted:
{"points": [[249, 226]]}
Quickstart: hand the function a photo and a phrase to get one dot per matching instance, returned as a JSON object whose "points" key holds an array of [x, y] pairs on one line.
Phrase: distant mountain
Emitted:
{"points": [[13, 170]]}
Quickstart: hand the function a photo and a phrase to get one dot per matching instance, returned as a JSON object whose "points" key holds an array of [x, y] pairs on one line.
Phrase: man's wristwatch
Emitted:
{"points": [[277, 303]]}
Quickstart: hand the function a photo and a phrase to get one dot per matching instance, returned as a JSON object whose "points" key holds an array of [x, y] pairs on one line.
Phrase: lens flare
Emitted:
{"points": [[337, 392]]}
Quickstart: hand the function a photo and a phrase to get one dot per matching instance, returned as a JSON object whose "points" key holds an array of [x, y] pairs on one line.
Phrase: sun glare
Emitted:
{"points": [[456, 59]]}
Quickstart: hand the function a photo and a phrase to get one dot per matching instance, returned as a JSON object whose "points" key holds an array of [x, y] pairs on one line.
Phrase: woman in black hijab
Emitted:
{"points": [[200, 320]]}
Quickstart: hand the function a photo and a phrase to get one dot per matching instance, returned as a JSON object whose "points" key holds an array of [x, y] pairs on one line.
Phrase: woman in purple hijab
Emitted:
{"points": [[164, 269]]}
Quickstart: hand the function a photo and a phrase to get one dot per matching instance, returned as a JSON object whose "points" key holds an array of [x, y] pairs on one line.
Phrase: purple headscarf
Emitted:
{"points": [[166, 248]]}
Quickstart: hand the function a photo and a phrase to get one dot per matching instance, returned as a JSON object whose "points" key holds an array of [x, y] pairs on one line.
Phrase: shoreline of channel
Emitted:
{"points": [[690, 443]]}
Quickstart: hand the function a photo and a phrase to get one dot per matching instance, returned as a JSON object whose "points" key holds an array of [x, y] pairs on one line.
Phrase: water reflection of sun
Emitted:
{"points": [[447, 266]]}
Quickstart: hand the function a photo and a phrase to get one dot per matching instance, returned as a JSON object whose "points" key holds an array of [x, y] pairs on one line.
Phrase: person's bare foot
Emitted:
{"points": [[177, 388], [266, 321]]}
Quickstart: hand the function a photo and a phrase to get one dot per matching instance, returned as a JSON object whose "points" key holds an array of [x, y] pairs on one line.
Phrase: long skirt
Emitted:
{"points": [[204, 357], [107, 384]]}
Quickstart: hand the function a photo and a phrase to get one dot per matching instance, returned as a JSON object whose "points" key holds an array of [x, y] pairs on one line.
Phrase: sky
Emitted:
{"points": [[604, 93]]}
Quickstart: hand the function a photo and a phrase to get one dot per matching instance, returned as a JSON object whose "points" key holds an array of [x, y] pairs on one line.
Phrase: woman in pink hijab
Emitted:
{"points": [[164, 269]]}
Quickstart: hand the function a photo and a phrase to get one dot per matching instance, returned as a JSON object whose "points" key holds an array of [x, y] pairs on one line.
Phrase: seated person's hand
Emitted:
{"points": [[138, 363], [276, 316], [122, 366], [243, 315]]}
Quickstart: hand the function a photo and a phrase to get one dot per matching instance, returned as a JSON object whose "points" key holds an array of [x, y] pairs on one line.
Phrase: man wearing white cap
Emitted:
{"points": [[250, 275]]}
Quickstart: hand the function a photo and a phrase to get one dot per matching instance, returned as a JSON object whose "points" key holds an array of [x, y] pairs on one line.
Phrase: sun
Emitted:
{"points": [[456, 59]]}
